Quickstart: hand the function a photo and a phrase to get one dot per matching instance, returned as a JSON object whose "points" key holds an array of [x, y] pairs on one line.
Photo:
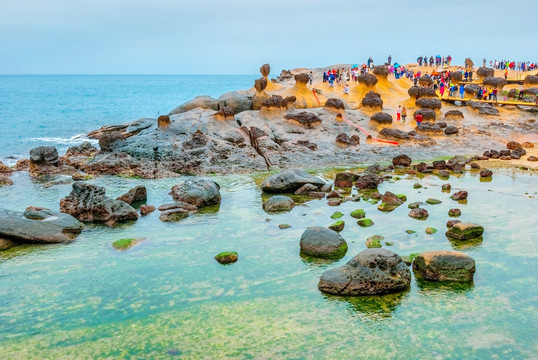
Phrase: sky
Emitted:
{"points": [[237, 36]]}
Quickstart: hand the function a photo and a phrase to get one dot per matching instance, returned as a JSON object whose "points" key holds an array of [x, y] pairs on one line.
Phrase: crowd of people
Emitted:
{"points": [[438, 60], [512, 65]]}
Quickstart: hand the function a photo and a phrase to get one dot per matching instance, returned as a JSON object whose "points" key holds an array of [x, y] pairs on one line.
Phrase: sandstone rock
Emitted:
{"points": [[367, 79], [381, 71], [465, 231], [394, 134], [401, 160], [451, 223], [198, 192], [163, 121], [531, 80], [235, 101], [484, 72], [374, 242], [368, 181], [518, 153], [203, 102], [321, 242], [483, 108], [455, 76], [381, 118], [288, 181], [460, 195], [335, 104], [278, 203], [345, 140], [532, 158], [307, 189], [38, 225], [419, 213], [527, 145], [389, 202], [446, 187], [444, 174], [427, 114], [372, 100], [306, 119], [425, 81], [428, 128], [278, 102], [307, 143], [486, 173], [450, 130], [5, 170], [454, 114], [472, 89], [89, 203], [302, 78], [136, 194], [260, 84], [226, 112], [111, 141], [234, 137], [227, 257], [338, 226], [475, 166], [421, 91], [41, 158], [343, 179], [371, 272], [445, 266], [265, 70], [495, 82], [86, 149], [146, 209], [5, 180]]}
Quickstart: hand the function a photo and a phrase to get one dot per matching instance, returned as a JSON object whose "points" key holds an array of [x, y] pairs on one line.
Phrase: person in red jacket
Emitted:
{"points": [[418, 119]]}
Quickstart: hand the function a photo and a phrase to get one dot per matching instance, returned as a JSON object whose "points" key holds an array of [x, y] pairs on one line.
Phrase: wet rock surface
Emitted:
{"points": [[287, 181], [321, 242], [445, 266]]}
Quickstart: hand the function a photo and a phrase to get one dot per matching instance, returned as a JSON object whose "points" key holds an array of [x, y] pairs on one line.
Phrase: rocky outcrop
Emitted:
{"points": [[471, 90], [287, 181], [202, 102], [136, 194], [367, 79], [421, 91], [344, 140], [512, 145], [372, 100], [284, 75], [531, 80], [429, 128], [495, 82], [334, 104], [198, 139], [278, 102], [371, 272], [428, 103], [368, 181], [465, 231], [38, 225], [321, 242], [43, 159], [225, 112], [86, 149], [401, 160], [427, 114], [425, 81], [453, 114], [484, 72], [260, 96], [483, 108], [343, 179], [381, 118], [305, 119], [88, 203], [111, 141], [445, 266], [197, 192], [394, 134], [5, 170], [163, 121], [265, 70], [381, 71], [278, 203]]}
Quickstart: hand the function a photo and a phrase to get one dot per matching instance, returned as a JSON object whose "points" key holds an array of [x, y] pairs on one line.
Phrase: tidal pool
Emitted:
{"points": [[168, 298]]}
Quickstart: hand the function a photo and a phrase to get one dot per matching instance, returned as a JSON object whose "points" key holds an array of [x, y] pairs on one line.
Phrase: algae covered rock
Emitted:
{"points": [[358, 214], [198, 192], [433, 201], [460, 195], [365, 222], [125, 244], [465, 231], [289, 180], [430, 230], [278, 203], [136, 194], [227, 257], [401, 160], [419, 213], [374, 241], [338, 226], [445, 266], [454, 212], [321, 242], [371, 272], [336, 215]]}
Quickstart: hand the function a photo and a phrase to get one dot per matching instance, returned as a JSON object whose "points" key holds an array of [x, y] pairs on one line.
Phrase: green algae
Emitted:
{"points": [[365, 222], [358, 214], [338, 226], [124, 244], [374, 241], [336, 215]]}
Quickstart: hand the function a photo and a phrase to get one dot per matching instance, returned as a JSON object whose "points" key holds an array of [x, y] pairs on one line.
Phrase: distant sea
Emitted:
{"points": [[59, 110]]}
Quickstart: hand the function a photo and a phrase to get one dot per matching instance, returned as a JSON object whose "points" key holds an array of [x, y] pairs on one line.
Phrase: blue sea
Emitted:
{"points": [[59, 110]]}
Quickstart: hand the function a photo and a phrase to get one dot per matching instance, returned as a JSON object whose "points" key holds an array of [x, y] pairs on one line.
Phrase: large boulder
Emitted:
{"points": [[368, 181], [367, 79], [465, 231], [472, 89], [202, 102], [483, 108], [484, 72], [381, 118], [88, 203], [531, 91], [38, 225], [321, 242], [421, 91], [42, 157], [427, 114], [428, 103], [495, 82], [305, 119], [334, 104], [197, 192], [445, 266], [136, 194], [287, 181], [381, 71], [237, 101], [455, 76], [425, 81], [531, 80], [278, 203], [372, 100], [371, 272], [401, 160], [111, 141]]}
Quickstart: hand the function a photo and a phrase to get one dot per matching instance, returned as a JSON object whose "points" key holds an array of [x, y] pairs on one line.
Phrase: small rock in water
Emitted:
{"points": [[486, 173], [465, 231], [454, 212], [374, 241], [433, 201], [227, 257], [419, 213], [446, 187], [358, 214], [445, 266], [365, 222], [338, 226], [430, 230], [321, 242], [417, 186], [410, 231], [336, 215], [278, 203], [414, 205], [451, 223], [146, 209], [284, 226], [460, 195]]}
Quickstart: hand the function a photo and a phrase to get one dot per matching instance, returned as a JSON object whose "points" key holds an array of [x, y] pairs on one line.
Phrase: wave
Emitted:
{"points": [[73, 140]]}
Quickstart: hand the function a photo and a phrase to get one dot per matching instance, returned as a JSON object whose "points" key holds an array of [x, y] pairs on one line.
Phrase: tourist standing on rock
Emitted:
{"points": [[418, 119], [506, 74], [442, 88], [404, 113], [389, 59], [310, 77], [398, 113], [346, 89]]}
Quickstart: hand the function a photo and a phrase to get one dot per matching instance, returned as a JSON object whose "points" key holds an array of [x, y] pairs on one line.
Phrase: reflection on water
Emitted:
{"points": [[87, 300]]}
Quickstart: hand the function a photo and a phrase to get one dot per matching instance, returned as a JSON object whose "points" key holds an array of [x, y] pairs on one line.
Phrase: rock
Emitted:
{"points": [[425, 81], [42, 159], [302, 78], [338, 226], [308, 144], [518, 153], [146, 209], [367, 79], [445, 266], [344, 139], [6, 244], [449, 130], [451, 223], [374, 241], [278, 102], [227, 257], [226, 112], [531, 80], [111, 141], [475, 166], [495, 82], [365, 222], [455, 76], [429, 128], [125, 244], [532, 158], [278, 203], [454, 212], [454, 114], [334, 194], [198, 192], [38, 225], [433, 201], [446, 187], [368, 181], [306, 119], [163, 121], [444, 174], [401, 160], [527, 145], [381, 71], [335, 104], [234, 137], [334, 202], [428, 103], [5, 180], [358, 214], [421, 91], [321, 242], [512, 145], [337, 215], [430, 230], [136, 194], [484, 72], [427, 114], [287, 181], [89, 203], [439, 164], [381, 118], [465, 231], [414, 205], [483, 108], [460, 195], [372, 100], [5, 170], [284, 226], [235, 101], [327, 187], [344, 180], [202, 102], [176, 211], [394, 134], [486, 173], [260, 84], [198, 139], [417, 186], [505, 157], [472, 89], [307, 189], [389, 202], [419, 213], [265, 70], [371, 272], [284, 75], [442, 124]]}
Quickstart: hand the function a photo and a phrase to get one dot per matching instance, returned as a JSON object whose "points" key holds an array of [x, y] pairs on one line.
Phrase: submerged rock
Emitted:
{"points": [[419, 213], [445, 266], [287, 181], [401, 160], [371, 272], [278, 203], [198, 192], [321, 242]]}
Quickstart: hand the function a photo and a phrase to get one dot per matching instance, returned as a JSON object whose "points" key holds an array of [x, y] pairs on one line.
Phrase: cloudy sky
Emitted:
{"points": [[237, 36]]}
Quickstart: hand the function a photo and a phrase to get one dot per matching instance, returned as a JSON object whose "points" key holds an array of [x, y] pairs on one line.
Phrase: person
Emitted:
{"points": [[404, 113], [495, 91], [506, 74], [310, 77], [470, 75], [389, 59], [346, 89], [418, 119], [462, 90], [398, 113], [442, 88]]}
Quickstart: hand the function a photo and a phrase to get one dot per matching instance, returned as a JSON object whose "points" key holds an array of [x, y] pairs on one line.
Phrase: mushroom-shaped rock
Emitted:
{"points": [[260, 84], [484, 72], [321, 242], [469, 63], [334, 104], [371, 272], [453, 114], [110, 141], [367, 79], [372, 100], [427, 114], [345, 140], [287, 181], [163, 121], [306, 119], [381, 71], [445, 266], [465, 231], [472, 89], [88, 202], [455, 76], [136, 194], [225, 112], [401, 160], [495, 82], [425, 81], [428, 103], [278, 102], [302, 78], [381, 118], [368, 181], [265, 70], [421, 91], [531, 80], [278, 203], [197, 192], [38, 225], [449, 130], [395, 134]]}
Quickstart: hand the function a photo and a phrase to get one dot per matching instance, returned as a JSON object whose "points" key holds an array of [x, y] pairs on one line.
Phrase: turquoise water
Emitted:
{"points": [[58, 110], [168, 298]]}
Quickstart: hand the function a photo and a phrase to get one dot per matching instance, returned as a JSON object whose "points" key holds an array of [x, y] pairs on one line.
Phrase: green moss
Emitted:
{"points": [[358, 214], [408, 259], [373, 201], [433, 201], [341, 251], [413, 205], [430, 230], [417, 186], [374, 241], [402, 197], [386, 207], [389, 243], [410, 231], [227, 257], [124, 244], [336, 215], [365, 222], [338, 226]]}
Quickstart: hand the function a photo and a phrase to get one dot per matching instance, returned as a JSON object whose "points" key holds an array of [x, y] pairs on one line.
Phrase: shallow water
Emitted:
{"points": [[168, 298]]}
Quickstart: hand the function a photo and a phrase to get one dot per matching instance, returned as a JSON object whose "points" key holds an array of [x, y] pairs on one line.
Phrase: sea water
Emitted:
{"points": [[59, 110], [168, 298]]}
